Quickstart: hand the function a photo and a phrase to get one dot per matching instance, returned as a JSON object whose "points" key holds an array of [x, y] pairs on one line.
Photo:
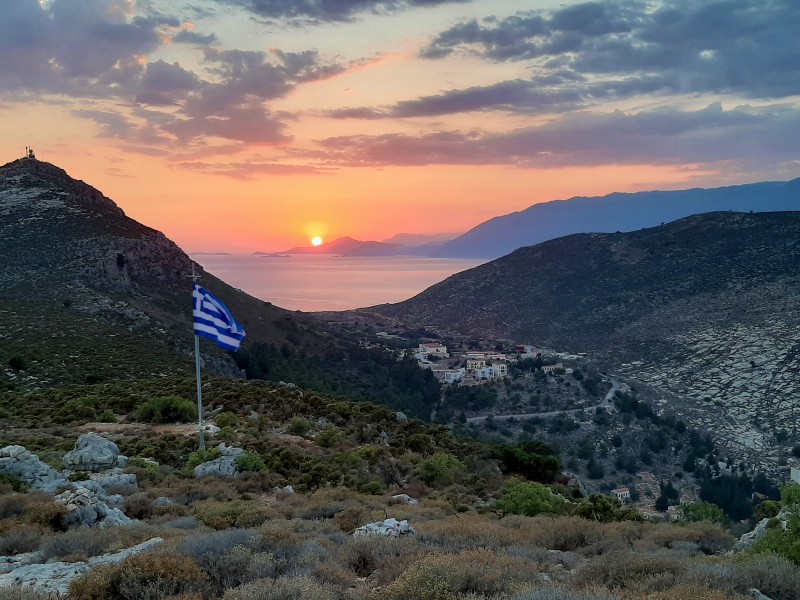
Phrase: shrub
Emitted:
{"points": [[440, 468], [107, 416], [227, 419], [167, 409], [141, 576], [250, 461], [13, 481], [236, 513], [621, 570], [563, 593], [530, 499], [299, 426], [20, 539], [450, 577], [296, 588], [775, 576], [201, 456], [21, 593]]}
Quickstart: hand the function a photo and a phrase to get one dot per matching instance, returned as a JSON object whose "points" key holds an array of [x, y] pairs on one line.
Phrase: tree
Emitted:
{"points": [[662, 503], [530, 499], [704, 511]]}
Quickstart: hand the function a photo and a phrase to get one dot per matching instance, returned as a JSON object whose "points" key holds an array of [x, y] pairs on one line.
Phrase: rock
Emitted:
{"points": [[92, 453], [405, 499], [758, 595], [163, 501], [389, 527], [9, 563], [229, 450], [401, 417], [39, 476], [122, 461], [224, 466], [749, 539], [87, 507], [57, 576], [115, 477]]}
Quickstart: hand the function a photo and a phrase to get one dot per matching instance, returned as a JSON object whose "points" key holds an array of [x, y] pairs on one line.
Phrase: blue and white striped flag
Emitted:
{"points": [[214, 321]]}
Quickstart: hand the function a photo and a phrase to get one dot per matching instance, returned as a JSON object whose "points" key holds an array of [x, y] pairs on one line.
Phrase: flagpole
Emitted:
{"points": [[199, 393], [200, 427]]}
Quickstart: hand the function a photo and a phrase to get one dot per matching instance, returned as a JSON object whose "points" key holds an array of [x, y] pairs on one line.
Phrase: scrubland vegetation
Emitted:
{"points": [[492, 522]]}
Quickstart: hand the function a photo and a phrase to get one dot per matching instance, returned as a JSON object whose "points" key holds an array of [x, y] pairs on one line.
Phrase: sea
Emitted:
{"points": [[329, 282]]}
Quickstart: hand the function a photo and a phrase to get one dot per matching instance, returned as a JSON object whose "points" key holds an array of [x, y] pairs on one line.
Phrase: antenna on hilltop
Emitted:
{"points": [[29, 153]]}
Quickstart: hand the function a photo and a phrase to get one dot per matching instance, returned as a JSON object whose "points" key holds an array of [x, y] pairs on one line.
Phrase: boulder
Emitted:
{"points": [[389, 527], [38, 476], [224, 466], [92, 453], [405, 499], [115, 478], [56, 577], [87, 507]]}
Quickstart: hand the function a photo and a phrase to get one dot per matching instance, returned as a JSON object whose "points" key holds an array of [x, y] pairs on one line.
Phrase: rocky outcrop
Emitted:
{"points": [[38, 476], [751, 538], [89, 508], [389, 527], [224, 466], [92, 453], [57, 576]]}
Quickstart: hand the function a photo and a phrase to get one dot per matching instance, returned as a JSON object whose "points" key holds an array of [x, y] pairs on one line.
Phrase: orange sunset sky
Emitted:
{"points": [[244, 125]]}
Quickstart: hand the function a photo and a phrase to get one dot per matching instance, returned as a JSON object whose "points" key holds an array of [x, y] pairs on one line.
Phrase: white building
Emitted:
{"points": [[622, 494], [499, 370], [550, 368], [483, 373], [475, 363], [435, 349], [795, 475], [451, 375]]}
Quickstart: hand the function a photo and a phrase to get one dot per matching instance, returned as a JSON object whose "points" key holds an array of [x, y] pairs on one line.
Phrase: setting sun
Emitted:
{"points": [[316, 241]]}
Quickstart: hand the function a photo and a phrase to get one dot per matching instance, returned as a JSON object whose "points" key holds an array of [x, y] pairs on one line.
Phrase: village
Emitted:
{"points": [[476, 367]]}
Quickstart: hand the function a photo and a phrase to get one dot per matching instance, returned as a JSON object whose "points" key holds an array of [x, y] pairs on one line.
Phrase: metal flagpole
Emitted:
{"points": [[200, 425]]}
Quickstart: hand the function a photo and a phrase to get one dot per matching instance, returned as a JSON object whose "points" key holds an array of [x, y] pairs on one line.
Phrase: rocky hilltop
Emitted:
{"points": [[704, 311], [89, 293]]}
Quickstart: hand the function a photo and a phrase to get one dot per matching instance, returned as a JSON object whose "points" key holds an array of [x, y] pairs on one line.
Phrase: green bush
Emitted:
{"points": [[226, 419], [202, 456], [107, 416], [440, 468], [530, 499], [250, 461], [167, 409], [14, 481]]}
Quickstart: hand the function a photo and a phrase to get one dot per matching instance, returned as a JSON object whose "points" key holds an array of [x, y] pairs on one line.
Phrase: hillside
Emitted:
{"points": [[703, 311], [614, 213], [87, 293]]}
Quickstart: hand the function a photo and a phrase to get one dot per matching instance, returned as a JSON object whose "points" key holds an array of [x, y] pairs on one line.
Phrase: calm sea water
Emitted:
{"points": [[315, 283]]}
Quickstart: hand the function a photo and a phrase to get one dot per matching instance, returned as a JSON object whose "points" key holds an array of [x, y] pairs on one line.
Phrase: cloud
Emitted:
{"points": [[315, 11], [513, 96], [744, 134], [747, 47], [186, 36], [74, 47], [247, 170]]}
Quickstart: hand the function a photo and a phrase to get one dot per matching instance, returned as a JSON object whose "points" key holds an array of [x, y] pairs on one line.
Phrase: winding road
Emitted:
{"points": [[604, 403]]}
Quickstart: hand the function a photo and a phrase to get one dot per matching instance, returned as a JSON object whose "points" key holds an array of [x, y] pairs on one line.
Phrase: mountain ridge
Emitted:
{"points": [[619, 211]]}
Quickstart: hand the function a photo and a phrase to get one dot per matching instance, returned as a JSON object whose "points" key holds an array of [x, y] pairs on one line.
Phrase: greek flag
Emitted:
{"points": [[214, 321]]}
